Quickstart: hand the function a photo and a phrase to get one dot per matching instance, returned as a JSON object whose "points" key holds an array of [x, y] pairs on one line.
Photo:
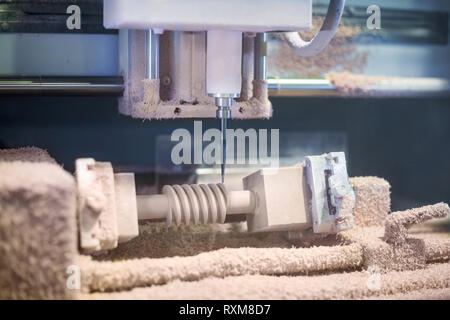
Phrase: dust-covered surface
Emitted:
{"points": [[38, 239], [152, 107], [200, 264], [329, 266], [392, 248], [380, 254], [354, 285], [373, 201], [38, 243], [28, 154], [156, 240], [163, 99]]}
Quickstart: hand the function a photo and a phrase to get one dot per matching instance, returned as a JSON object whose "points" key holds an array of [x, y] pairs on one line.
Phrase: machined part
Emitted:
{"points": [[223, 113], [97, 215], [275, 199], [126, 206], [196, 203], [332, 197], [107, 208], [224, 101], [281, 204]]}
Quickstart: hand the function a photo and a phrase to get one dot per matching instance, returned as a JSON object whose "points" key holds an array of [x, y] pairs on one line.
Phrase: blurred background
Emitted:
{"points": [[382, 96]]}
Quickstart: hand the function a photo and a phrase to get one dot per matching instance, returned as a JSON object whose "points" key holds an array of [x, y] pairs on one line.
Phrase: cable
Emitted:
{"points": [[326, 33]]}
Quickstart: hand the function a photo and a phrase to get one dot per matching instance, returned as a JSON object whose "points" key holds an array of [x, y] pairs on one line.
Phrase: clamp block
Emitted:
{"points": [[281, 200], [107, 209], [332, 196]]}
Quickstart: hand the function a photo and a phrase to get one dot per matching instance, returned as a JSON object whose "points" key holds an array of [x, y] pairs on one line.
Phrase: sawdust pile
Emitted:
{"points": [[382, 255], [397, 224], [366, 248], [354, 85], [107, 276], [156, 240], [340, 55], [391, 248], [437, 250], [354, 285], [369, 251], [373, 201]]}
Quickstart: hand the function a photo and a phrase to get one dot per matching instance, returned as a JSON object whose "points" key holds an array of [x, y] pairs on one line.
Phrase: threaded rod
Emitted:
{"points": [[195, 204]]}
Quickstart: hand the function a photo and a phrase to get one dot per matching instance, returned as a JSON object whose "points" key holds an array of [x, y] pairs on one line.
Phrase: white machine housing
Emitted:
{"points": [[203, 15]]}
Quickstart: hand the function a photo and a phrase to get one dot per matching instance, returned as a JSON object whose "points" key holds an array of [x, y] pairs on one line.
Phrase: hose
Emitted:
{"points": [[323, 37]]}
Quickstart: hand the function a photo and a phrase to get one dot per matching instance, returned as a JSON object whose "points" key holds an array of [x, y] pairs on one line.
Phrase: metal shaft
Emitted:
{"points": [[260, 57], [152, 55], [61, 85]]}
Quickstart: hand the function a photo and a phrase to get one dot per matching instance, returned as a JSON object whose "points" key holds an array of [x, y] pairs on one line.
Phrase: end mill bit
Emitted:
{"points": [[223, 113], [224, 147]]}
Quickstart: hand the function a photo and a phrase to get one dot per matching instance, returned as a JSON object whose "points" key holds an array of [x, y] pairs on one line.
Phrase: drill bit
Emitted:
{"points": [[223, 123], [223, 113]]}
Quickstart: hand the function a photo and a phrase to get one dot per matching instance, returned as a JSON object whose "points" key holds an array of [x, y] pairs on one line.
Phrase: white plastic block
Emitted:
{"points": [[202, 15], [126, 206], [223, 62], [281, 200], [97, 215]]}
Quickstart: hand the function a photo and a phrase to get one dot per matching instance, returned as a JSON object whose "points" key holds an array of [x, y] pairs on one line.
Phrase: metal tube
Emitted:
{"points": [[152, 55], [406, 87], [260, 57], [46, 85]]}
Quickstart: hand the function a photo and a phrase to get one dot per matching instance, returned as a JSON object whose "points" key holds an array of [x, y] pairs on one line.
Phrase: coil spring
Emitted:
{"points": [[196, 203]]}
